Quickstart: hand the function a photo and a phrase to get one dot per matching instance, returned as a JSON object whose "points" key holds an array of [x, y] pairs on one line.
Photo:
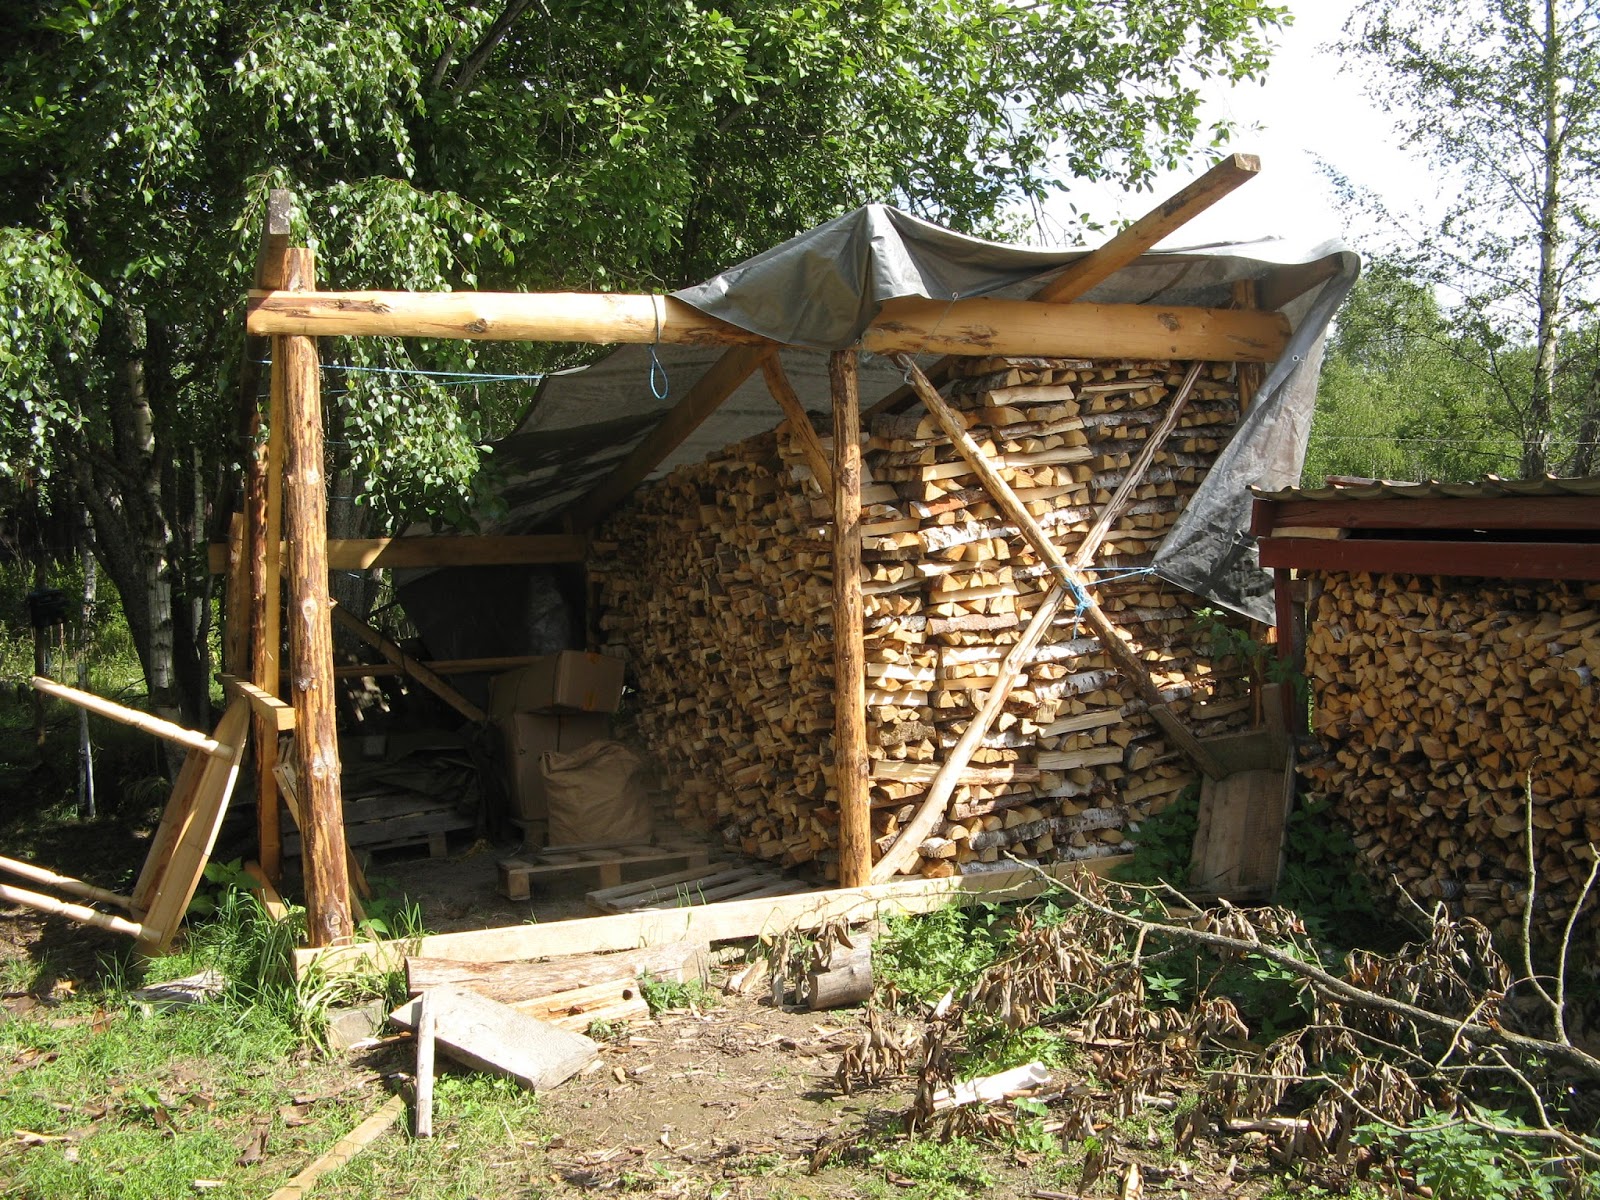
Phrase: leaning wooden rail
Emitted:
{"points": [[909, 325], [132, 716], [63, 883], [77, 912]]}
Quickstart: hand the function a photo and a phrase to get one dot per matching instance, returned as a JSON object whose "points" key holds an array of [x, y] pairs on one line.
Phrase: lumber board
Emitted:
{"points": [[342, 1151], [510, 982], [1410, 556], [1522, 513], [416, 670], [174, 884], [574, 1009], [268, 710], [497, 1038], [709, 922]]}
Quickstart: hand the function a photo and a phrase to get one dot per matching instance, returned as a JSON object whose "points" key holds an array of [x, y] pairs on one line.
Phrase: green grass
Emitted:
{"points": [[929, 1170]]}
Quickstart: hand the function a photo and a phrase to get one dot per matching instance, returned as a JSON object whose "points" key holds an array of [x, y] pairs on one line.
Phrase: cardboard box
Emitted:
{"points": [[570, 681], [526, 737]]}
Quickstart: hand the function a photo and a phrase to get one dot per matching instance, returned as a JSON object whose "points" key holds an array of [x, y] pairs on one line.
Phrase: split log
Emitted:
{"points": [[847, 979]]}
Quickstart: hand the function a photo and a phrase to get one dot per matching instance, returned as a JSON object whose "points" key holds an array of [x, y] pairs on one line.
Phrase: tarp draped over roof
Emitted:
{"points": [[821, 289]]}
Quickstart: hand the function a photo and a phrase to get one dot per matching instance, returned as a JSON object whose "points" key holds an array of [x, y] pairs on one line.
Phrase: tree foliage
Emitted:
{"points": [[1502, 99], [507, 145]]}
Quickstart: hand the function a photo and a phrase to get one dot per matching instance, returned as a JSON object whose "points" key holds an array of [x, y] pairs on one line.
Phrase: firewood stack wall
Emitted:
{"points": [[1438, 703], [715, 583]]}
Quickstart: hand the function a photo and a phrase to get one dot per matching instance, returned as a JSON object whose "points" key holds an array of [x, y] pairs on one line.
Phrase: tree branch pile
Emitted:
{"points": [[1425, 1035]]}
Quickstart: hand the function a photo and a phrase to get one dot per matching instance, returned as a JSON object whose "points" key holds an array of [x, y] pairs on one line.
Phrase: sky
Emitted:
{"points": [[1306, 108]]}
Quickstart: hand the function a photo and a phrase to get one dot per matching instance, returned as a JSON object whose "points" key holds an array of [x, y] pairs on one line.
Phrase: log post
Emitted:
{"points": [[311, 634], [850, 686], [263, 495]]}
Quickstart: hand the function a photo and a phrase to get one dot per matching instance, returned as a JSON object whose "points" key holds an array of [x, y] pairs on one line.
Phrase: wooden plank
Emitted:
{"points": [[460, 550], [174, 819], [327, 883], [1522, 513], [706, 922], [1405, 556], [1165, 219], [574, 1010], [406, 663], [63, 883], [112, 711], [799, 421], [667, 886], [719, 382], [515, 875], [343, 1150], [495, 1037], [265, 892], [510, 982], [174, 886], [269, 711], [851, 763]]}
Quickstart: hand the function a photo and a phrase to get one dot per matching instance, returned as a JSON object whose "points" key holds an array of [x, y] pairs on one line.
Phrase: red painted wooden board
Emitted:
{"points": [[1489, 560]]}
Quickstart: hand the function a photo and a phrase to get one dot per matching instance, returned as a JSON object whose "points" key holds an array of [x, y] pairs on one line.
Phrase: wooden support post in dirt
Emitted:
{"points": [[311, 639], [423, 1120], [799, 421], [850, 672], [1291, 649], [416, 670], [264, 541]]}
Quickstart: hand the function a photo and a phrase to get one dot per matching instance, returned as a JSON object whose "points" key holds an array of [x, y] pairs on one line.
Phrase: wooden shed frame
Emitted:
{"points": [[283, 530]]}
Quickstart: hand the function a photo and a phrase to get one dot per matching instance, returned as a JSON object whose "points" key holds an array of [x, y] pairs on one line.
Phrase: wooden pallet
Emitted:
{"points": [[516, 874], [696, 885], [385, 822]]}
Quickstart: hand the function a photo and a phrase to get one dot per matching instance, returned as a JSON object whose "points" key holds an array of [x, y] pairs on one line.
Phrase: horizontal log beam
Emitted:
{"points": [[1409, 556], [440, 666], [123, 715], [1501, 512], [726, 921], [448, 550], [911, 325]]}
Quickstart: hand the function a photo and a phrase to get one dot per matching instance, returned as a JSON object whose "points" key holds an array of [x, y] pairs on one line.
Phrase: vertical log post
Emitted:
{"points": [[263, 497], [850, 688], [311, 634]]}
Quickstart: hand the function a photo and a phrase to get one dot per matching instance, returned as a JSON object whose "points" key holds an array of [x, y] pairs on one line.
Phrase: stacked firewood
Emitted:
{"points": [[716, 585], [1442, 705]]}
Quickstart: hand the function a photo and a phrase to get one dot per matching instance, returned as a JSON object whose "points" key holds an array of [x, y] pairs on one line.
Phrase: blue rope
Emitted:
{"points": [[1106, 575], [663, 389]]}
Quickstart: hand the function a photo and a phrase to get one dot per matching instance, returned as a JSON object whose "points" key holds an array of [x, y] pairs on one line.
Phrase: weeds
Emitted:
{"points": [[666, 995]]}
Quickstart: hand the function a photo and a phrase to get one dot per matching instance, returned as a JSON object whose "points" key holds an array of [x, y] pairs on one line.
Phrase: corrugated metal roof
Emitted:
{"points": [[1490, 488]]}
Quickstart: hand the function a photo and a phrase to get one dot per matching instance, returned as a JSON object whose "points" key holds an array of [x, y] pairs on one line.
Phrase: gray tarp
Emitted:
{"points": [[822, 288]]}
